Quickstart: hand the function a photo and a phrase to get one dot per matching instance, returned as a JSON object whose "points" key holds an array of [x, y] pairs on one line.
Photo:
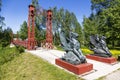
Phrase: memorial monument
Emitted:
{"points": [[71, 46], [73, 59], [99, 46], [101, 52]]}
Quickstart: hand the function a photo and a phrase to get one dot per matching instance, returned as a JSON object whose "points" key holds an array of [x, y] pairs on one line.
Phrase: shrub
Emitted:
{"points": [[7, 54], [86, 51], [4, 44], [20, 49]]}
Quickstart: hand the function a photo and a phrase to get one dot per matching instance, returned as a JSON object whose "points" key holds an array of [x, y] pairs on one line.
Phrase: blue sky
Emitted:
{"points": [[16, 11]]}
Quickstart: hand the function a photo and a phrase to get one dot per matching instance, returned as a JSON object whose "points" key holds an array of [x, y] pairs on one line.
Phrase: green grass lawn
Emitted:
{"points": [[30, 67]]}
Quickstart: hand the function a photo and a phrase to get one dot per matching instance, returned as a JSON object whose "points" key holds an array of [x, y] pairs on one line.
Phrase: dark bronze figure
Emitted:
{"points": [[98, 45], [71, 45]]}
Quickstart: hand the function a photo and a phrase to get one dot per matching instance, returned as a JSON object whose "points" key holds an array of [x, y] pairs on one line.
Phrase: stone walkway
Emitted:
{"points": [[100, 69], [113, 76]]}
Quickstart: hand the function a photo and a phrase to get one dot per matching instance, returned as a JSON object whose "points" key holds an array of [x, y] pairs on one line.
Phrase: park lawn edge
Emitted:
{"points": [[28, 66]]}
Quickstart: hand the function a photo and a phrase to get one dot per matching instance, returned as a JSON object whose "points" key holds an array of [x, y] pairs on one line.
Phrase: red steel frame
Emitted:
{"points": [[31, 42], [31, 28], [49, 36]]}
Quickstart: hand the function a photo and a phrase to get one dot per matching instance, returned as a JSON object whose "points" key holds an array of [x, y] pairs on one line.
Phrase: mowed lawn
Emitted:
{"points": [[30, 67]]}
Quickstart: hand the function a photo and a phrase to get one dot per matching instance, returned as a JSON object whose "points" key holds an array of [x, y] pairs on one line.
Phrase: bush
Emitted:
{"points": [[4, 44], [7, 54], [20, 49], [86, 51]]}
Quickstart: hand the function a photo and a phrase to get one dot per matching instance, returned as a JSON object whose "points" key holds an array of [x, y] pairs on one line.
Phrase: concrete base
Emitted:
{"points": [[109, 60], [77, 69]]}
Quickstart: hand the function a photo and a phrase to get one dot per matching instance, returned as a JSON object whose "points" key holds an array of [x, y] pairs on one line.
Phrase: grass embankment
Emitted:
{"points": [[7, 54], [30, 67]]}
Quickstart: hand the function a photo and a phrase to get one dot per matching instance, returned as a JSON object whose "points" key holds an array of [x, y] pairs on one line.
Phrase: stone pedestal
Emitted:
{"points": [[109, 60], [77, 69]]}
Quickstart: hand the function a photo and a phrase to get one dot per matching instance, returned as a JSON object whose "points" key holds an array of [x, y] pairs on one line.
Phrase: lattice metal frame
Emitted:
{"points": [[49, 36], [31, 28]]}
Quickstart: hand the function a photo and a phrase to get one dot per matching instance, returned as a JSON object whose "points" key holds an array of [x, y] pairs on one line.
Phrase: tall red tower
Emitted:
{"points": [[49, 36], [31, 28]]}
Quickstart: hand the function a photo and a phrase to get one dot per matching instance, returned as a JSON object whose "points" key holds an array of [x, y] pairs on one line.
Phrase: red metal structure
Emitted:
{"points": [[31, 42], [31, 28], [16, 41], [49, 36]]}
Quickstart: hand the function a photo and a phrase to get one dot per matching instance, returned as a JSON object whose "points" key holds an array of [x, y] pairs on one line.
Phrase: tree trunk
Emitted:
{"points": [[113, 44]]}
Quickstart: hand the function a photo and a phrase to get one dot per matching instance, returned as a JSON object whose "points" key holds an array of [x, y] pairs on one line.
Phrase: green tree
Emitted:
{"points": [[7, 37], [23, 33], [91, 26], [1, 24], [1, 18], [78, 29], [108, 12], [40, 22], [65, 20]]}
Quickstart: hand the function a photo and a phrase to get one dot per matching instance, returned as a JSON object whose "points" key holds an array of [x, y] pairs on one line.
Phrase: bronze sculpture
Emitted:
{"points": [[71, 45], [98, 45]]}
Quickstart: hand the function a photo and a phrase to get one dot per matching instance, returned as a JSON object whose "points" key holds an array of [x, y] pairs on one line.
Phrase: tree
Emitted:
{"points": [[23, 33], [35, 3], [108, 11], [40, 22], [1, 24], [38, 16], [78, 29], [66, 21], [7, 37], [104, 20], [1, 20], [91, 25]]}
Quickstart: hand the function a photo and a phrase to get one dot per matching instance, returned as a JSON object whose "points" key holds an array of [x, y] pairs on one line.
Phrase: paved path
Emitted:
{"points": [[100, 69], [113, 76]]}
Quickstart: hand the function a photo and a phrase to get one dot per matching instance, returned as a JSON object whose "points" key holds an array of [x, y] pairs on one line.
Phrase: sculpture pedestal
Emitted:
{"points": [[77, 69], [109, 60]]}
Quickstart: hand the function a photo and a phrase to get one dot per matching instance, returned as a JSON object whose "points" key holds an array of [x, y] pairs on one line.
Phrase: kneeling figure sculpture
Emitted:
{"points": [[98, 45], [71, 45]]}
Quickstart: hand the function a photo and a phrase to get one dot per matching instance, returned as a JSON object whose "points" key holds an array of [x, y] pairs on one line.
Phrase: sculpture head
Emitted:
{"points": [[74, 35], [103, 38]]}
